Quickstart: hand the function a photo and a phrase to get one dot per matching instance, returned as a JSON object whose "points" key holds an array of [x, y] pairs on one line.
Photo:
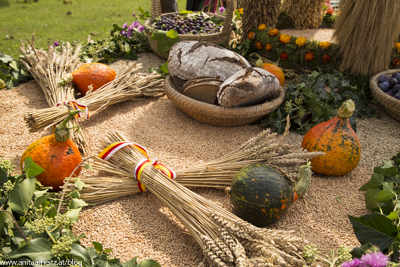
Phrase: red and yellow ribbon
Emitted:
{"points": [[76, 106], [141, 165]]}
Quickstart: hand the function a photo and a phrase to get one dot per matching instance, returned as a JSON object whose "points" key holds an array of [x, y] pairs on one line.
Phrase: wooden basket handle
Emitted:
{"points": [[227, 28]]}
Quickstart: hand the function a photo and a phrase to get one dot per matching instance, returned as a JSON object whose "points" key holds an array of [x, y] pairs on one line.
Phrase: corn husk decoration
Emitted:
{"points": [[47, 67], [129, 84], [267, 147], [226, 240]]}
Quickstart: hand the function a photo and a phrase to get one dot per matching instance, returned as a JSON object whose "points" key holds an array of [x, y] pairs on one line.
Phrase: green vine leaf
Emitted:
{"points": [[21, 195], [374, 228], [38, 249], [31, 168], [80, 252], [165, 40]]}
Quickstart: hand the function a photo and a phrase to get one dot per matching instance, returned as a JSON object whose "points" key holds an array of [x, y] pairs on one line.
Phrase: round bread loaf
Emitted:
{"points": [[247, 87]]}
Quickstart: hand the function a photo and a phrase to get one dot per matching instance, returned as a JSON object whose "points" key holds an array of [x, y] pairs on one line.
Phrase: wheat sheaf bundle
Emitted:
{"points": [[304, 14], [266, 147], [226, 240], [129, 84], [47, 68]]}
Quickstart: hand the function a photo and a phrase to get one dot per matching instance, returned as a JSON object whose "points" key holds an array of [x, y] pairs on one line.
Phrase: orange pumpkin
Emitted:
{"points": [[56, 154], [275, 70], [95, 74], [338, 140]]}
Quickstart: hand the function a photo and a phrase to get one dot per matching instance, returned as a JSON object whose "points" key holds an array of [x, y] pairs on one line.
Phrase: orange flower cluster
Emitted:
{"points": [[396, 62], [325, 45], [273, 32], [309, 56], [262, 27], [268, 47], [397, 46], [300, 41], [284, 56], [251, 35], [259, 45], [329, 12], [284, 39], [326, 58]]}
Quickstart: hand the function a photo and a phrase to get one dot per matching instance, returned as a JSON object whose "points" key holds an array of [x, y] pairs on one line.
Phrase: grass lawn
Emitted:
{"points": [[63, 20]]}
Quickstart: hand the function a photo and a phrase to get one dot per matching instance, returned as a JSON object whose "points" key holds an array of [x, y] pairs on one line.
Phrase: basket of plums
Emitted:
{"points": [[385, 88]]}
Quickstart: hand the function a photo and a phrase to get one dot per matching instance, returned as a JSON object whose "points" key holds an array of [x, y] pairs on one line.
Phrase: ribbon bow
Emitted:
{"points": [[76, 106], [141, 165]]}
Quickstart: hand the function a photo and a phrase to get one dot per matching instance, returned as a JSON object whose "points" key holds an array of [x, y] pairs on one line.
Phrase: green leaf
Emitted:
{"points": [[38, 249], [73, 215], [376, 180], [386, 164], [376, 229], [145, 14], [40, 200], [394, 215], [98, 247], [88, 166], [165, 40], [21, 195], [183, 12], [131, 263], [107, 263], [107, 250], [359, 251], [76, 203], [75, 194], [31, 168], [386, 194], [149, 263], [79, 184], [81, 252], [164, 68], [3, 177], [5, 58], [395, 248], [14, 65]]}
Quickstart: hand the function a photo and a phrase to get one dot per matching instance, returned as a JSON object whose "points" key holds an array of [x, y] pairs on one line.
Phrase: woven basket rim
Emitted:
{"points": [[221, 112], [390, 104]]}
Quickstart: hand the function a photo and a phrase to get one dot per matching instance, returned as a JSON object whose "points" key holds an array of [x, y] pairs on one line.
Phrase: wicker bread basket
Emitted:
{"points": [[221, 116], [221, 38], [389, 104]]}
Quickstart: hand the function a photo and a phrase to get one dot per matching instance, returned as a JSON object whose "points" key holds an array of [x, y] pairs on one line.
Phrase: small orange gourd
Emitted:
{"points": [[56, 154], [273, 69], [338, 140], [95, 74]]}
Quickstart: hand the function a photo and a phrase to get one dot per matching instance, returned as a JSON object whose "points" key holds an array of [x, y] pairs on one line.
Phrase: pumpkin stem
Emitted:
{"points": [[67, 78], [301, 187], [62, 130], [346, 110]]}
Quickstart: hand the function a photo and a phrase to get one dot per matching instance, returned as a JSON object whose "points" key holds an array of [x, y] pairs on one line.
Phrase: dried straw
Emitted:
{"points": [[47, 68], [226, 240], [304, 14], [128, 84], [267, 148], [366, 31]]}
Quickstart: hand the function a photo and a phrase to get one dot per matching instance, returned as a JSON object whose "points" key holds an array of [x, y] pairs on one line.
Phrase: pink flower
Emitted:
{"points": [[353, 263], [129, 34], [374, 259], [55, 43], [130, 28], [135, 24], [140, 28], [123, 32], [125, 25], [133, 14], [221, 9]]}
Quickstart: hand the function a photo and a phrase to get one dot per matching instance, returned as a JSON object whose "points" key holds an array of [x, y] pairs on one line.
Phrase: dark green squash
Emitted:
{"points": [[260, 194]]}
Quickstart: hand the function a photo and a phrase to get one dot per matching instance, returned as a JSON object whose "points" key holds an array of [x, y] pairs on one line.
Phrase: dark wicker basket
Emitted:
{"points": [[388, 103], [221, 116], [221, 38]]}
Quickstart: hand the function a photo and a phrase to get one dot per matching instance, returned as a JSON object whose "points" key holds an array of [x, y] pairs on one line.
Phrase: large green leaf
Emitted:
{"points": [[165, 40], [376, 180], [376, 229], [131, 263], [3, 177], [81, 252], [73, 215], [76, 203], [21, 195], [38, 249]]}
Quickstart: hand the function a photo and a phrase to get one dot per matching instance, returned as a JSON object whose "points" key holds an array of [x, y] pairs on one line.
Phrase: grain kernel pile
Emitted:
{"points": [[141, 226]]}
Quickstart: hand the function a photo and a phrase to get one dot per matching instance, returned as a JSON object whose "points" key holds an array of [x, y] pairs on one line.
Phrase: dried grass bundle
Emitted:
{"points": [[267, 147], [366, 31], [47, 68], [128, 84], [226, 240], [304, 14], [256, 12]]}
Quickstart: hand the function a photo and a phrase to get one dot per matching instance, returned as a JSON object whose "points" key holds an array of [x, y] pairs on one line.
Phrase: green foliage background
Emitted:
{"points": [[50, 22]]}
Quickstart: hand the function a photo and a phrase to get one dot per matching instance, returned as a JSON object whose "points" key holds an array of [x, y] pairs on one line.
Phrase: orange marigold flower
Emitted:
{"points": [[259, 45], [396, 62], [300, 41], [284, 39], [329, 12], [309, 56], [273, 32], [284, 56], [251, 35], [268, 47], [240, 11], [397, 46], [326, 58], [325, 45], [262, 27]]}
